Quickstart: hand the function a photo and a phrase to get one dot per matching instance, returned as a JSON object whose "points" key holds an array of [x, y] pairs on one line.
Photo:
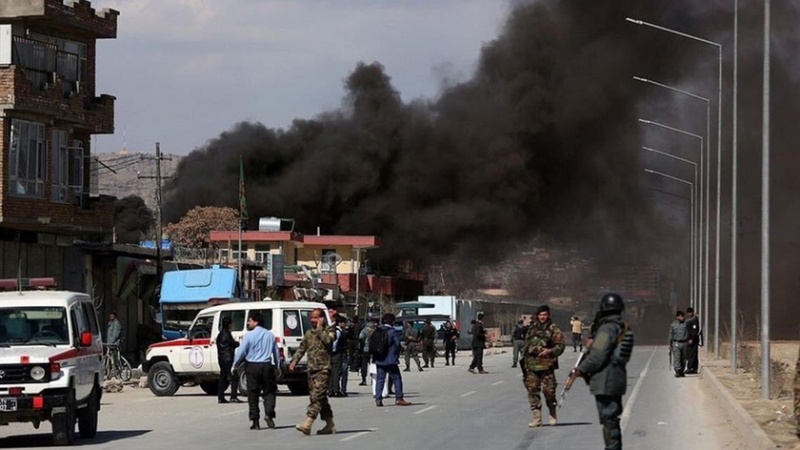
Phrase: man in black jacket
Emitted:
{"points": [[226, 347], [693, 329], [478, 345], [518, 341], [609, 351]]}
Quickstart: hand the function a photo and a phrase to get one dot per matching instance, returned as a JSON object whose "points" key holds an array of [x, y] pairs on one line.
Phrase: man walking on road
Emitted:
{"points": [[608, 353], [692, 341], [544, 343], [577, 330], [316, 344], [518, 338], [226, 348], [363, 343], [388, 363], [678, 335], [261, 353], [428, 334], [478, 345], [338, 354]]}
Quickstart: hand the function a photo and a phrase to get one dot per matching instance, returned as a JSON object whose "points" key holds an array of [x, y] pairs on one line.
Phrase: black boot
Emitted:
{"points": [[255, 425]]}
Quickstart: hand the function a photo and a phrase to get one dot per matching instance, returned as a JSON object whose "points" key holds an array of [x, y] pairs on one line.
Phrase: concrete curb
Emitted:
{"points": [[749, 429]]}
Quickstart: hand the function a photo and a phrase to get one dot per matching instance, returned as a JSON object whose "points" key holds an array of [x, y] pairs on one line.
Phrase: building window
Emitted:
{"points": [[27, 159], [330, 259], [60, 159], [235, 251], [223, 254], [42, 56], [76, 168], [262, 252]]}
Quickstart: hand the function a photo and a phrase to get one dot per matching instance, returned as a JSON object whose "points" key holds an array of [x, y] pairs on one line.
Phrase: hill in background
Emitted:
{"points": [[118, 174]]}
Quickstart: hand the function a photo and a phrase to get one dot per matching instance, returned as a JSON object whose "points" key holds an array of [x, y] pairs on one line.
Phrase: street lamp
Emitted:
{"points": [[691, 207], [698, 304], [696, 136], [719, 165], [707, 183]]}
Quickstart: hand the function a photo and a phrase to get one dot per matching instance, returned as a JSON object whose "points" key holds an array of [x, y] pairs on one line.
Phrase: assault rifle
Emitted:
{"points": [[670, 354], [573, 375]]}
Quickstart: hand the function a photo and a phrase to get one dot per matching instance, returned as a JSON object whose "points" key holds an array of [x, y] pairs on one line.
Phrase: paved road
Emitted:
{"points": [[452, 409]]}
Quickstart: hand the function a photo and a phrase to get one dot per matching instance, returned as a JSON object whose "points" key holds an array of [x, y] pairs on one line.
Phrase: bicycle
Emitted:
{"points": [[115, 365]]}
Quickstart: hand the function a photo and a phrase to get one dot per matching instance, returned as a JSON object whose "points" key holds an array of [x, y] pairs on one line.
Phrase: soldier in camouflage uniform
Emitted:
{"points": [[317, 344], [544, 343]]}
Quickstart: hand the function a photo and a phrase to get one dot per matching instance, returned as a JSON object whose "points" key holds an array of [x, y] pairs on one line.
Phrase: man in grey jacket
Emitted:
{"points": [[678, 335], [603, 367]]}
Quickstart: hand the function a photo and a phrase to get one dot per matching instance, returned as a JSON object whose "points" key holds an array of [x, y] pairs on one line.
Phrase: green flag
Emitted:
{"points": [[242, 198]]}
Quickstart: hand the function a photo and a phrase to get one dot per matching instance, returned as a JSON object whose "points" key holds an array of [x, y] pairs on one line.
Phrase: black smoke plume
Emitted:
{"points": [[133, 220], [543, 139]]}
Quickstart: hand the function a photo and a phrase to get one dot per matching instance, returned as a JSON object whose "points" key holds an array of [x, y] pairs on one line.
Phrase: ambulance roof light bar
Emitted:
{"points": [[13, 284]]}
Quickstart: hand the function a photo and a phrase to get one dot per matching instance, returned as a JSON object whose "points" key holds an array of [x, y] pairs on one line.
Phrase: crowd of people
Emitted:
{"points": [[375, 347]]}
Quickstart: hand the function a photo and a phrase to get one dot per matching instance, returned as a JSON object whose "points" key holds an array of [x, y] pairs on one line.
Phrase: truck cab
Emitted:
{"points": [[185, 292]]}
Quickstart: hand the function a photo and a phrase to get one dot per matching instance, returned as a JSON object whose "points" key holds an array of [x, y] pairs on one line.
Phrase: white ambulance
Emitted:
{"points": [[193, 359], [51, 367]]}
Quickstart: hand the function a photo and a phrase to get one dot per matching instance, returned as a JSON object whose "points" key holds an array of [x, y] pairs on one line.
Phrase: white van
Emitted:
{"points": [[193, 359]]}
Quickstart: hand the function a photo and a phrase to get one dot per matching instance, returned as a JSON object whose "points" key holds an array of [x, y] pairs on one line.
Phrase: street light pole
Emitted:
{"points": [[719, 165], [734, 189], [707, 183], [696, 136], [691, 203], [765, 360]]}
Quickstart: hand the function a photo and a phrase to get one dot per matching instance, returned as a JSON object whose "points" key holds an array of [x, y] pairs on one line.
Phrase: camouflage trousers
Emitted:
{"points": [[318, 394], [541, 382]]}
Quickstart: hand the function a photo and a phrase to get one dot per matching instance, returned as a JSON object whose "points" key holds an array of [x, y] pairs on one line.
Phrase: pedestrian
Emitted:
{"points": [[609, 351], [451, 336], [544, 343], [577, 329], [678, 335], [260, 351], [388, 362], [363, 342], [316, 346], [478, 345], [428, 334], [226, 349], [411, 336], [342, 344], [338, 358], [353, 349], [692, 341], [518, 341], [114, 329]]}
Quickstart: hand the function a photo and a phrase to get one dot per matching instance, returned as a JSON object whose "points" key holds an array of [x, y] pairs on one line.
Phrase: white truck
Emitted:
{"points": [[51, 369], [193, 359]]}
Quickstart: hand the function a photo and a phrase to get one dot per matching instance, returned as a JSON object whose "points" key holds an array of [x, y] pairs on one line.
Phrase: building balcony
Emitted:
{"points": [[46, 95]]}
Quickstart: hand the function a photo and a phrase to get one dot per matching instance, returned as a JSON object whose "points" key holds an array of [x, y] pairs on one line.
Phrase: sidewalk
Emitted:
{"points": [[769, 422]]}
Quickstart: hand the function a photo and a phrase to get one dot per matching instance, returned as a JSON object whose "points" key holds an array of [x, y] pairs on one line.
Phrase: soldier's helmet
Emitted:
{"points": [[612, 302]]}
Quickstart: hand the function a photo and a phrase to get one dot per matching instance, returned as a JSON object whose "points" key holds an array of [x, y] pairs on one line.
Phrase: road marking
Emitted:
{"points": [[238, 411], [629, 404], [498, 382], [426, 409], [467, 394], [350, 438]]}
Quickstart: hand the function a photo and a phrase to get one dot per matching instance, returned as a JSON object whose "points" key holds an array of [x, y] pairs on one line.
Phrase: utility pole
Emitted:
{"points": [[159, 181]]}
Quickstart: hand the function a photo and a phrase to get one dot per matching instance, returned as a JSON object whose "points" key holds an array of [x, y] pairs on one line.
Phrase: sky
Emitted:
{"points": [[183, 71]]}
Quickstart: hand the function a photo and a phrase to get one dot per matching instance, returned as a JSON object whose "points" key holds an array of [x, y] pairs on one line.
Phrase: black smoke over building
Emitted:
{"points": [[543, 139]]}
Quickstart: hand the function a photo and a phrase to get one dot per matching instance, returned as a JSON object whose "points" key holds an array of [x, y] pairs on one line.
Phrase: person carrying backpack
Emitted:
{"points": [[603, 367], [384, 345]]}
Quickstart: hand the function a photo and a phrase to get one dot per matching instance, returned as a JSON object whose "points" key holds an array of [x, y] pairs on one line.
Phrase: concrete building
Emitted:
{"points": [[338, 262]]}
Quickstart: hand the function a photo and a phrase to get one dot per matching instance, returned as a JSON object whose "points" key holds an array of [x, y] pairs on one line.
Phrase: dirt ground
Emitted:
{"points": [[776, 416]]}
